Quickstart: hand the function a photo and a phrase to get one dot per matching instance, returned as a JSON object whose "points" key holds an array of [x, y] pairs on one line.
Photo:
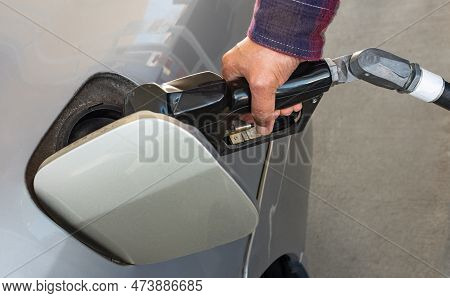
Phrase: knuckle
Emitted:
{"points": [[225, 59], [261, 83], [226, 55]]}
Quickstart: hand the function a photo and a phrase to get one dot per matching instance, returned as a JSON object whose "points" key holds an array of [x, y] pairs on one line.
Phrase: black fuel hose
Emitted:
{"points": [[444, 100]]}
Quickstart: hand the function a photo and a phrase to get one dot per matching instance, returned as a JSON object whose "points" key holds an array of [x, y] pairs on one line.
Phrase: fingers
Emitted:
{"points": [[298, 107], [247, 118], [290, 110], [284, 112], [287, 111], [265, 70], [263, 104]]}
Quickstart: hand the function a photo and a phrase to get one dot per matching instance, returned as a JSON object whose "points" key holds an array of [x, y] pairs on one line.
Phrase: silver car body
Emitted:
{"points": [[49, 48]]}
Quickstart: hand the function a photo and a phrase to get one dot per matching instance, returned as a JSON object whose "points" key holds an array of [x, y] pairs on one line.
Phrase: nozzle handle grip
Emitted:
{"points": [[310, 80]]}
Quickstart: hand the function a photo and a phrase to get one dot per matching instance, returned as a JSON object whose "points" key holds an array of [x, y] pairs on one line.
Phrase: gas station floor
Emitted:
{"points": [[381, 176]]}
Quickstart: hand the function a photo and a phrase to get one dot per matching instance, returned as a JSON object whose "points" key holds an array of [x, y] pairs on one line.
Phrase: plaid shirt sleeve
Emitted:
{"points": [[292, 27]]}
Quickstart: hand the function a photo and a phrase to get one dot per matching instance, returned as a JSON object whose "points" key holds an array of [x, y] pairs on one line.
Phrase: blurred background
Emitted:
{"points": [[380, 186]]}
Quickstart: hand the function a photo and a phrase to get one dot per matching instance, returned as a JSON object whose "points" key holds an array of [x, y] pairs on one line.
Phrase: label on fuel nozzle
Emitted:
{"points": [[243, 136]]}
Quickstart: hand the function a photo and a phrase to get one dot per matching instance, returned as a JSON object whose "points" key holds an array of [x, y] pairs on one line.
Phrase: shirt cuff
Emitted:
{"points": [[292, 27]]}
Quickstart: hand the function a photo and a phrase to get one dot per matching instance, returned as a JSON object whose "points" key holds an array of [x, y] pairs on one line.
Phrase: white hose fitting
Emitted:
{"points": [[430, 87]]}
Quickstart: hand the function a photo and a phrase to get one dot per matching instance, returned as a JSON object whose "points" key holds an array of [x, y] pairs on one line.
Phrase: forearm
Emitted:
{"points": [[292, 27]]}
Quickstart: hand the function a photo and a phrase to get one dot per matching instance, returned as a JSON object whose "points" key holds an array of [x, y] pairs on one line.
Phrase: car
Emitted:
{"points": [[66, 67]]}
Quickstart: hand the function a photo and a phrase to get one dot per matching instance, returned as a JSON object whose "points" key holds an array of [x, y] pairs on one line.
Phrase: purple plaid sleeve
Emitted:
{"points": [[292, 27]]}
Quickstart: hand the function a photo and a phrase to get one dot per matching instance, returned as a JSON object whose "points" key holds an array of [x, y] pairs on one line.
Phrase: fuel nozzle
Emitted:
{"points": [[385, 70], [389, 71]]}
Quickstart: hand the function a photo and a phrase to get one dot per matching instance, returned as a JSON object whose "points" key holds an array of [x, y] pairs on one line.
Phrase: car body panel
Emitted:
{"points": [[47, 51], [284, 204]]}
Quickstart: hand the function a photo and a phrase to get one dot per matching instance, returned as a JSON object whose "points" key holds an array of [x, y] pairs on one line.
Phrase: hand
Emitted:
{"points": [[265, 70]]}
